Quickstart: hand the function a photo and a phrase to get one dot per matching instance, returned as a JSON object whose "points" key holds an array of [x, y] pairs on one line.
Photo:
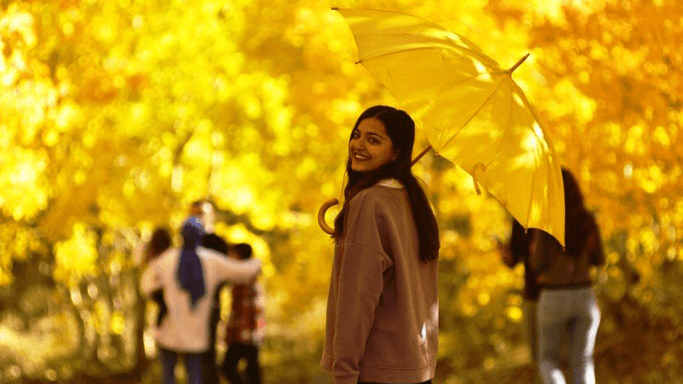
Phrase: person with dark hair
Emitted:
{"points": [[567, 302], [158, 243], [514, 252], [216, 243], [382, 308], [244, 331], [189, 277], [197, 208], [204, 210]]}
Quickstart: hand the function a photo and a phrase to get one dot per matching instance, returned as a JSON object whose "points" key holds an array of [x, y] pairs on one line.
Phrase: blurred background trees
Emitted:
{"points": [[115, 115]]}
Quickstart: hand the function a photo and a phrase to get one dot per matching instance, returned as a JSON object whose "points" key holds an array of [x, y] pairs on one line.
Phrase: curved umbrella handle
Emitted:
{"points": [[321, 215]]}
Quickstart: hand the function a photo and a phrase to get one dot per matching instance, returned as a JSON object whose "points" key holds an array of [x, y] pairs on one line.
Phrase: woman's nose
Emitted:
{"points": [[358, 143]]}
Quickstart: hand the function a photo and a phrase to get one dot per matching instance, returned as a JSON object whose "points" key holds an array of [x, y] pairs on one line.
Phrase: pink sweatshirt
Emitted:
{"points": [[382, 308]]}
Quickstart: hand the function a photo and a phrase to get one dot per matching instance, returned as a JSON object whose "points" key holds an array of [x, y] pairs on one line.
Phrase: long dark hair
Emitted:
{"points": [[578, 221], [160, 241], [401, 130]]}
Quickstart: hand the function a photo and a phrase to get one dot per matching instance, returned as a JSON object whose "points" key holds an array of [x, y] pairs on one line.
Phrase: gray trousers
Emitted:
{"points": [[571, 312]]}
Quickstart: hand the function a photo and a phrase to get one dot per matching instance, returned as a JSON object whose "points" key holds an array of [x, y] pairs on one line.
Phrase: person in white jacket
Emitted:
{"points": [[189, 277]]}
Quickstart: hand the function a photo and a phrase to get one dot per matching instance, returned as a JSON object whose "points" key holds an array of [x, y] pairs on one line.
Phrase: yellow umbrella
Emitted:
{"points": [[470, 110]]}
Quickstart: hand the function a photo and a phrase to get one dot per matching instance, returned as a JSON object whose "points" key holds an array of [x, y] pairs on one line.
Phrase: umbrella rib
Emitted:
{"points": [[507, 128], [535, 117], [361, 61], [445, 47], [471, 46], [445, 89], [474, 114]]}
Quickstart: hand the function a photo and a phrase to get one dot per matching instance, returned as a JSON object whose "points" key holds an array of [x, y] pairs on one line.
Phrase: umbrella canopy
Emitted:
{"points": [[469, 108]]}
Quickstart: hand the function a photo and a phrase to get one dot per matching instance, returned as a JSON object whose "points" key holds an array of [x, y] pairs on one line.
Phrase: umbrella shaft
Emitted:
{"points": [[424, 152]]}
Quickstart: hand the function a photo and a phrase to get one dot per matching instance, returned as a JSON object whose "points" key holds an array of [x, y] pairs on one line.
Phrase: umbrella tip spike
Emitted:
{"points": [[518, 63], [335, 8]]}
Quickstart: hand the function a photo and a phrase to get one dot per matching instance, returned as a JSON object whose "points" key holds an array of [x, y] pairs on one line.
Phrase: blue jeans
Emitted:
{"points": [[572, 312], [193, 366]]}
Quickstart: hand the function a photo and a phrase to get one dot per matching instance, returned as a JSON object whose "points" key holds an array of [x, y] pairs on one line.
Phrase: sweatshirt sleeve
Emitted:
{"points": [[359, 289], [234, 271], [150, 280]]}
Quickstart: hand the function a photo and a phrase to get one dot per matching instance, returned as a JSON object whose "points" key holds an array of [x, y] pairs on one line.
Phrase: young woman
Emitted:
{"points": [[513, 253], [244, 331], [567, 302], [383, 309], [160, 242]]}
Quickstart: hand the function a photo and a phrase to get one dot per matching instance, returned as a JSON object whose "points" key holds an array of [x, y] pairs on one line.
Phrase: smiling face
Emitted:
{"points": [[370, 147]]}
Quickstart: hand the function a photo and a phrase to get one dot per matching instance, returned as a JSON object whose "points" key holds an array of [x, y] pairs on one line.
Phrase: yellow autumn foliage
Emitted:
{"points": [[115, 115]]}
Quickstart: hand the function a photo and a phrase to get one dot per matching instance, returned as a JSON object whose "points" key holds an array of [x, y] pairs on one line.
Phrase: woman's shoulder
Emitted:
{"points": [[379, 192], [164, 262], [166, 256], [376, 201], [372, 197]]}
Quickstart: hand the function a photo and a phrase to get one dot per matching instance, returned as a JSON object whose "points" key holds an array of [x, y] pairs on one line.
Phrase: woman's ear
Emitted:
{"points": [[396, 153]]}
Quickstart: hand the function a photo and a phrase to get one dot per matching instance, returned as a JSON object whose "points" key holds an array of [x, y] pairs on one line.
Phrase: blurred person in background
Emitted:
{"points": [[189, 277], [514, 252], [245, 328], [204, 210], [382, 306], [197, 209], [567, 304], [158, 244]]}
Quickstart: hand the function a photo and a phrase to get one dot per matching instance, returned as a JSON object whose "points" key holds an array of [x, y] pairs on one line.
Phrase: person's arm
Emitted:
{"points": [[516, 249], [150, 280], [234, 271], [138, 255], [359, 289], [597, 255], [536, 256], [506, 256], [260, 304]]}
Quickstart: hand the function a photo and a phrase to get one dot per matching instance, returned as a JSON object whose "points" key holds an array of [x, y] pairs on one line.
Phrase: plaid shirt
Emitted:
{"points": [[246, 321]]}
